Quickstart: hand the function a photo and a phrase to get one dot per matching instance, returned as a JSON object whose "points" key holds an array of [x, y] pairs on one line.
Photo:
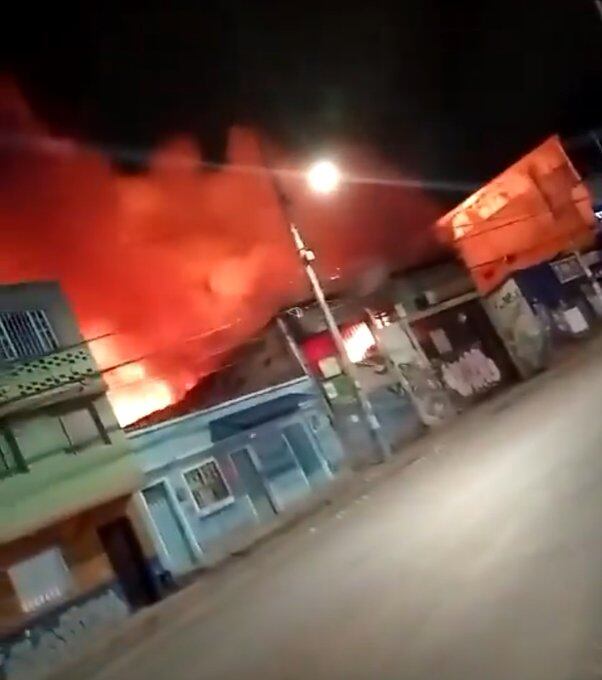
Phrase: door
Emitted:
{"points": [[305, 452], [283, 475], [125, 554], [171, 533], [253, 484]]}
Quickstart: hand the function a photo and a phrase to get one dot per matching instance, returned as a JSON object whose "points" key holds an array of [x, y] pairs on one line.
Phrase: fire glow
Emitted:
{"points": [[358, 340], [177, 252], [136, 400]]}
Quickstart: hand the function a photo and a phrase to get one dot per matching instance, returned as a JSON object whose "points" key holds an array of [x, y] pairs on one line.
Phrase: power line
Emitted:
{"points": [[516, 220], [68, 147], [146, 380], [201, 335], [60, 146], [64, 146], [111, 334], [136, 360], [206, 358], [480, 265], [136, 381]]}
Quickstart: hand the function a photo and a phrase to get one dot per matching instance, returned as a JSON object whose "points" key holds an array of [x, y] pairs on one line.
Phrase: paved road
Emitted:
{"points": [[482, 560]]}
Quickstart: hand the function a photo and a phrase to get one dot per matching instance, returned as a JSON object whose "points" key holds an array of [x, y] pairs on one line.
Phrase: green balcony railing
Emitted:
{"points": [[30, 377]]}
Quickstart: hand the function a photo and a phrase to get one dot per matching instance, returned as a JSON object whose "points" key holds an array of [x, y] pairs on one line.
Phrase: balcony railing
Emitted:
{"points": [[56, 374]]}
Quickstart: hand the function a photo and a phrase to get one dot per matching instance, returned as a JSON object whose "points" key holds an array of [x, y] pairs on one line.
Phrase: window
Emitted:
{"points": [[567, 269], [382, 319], [83, 429], [207, 484], [25, 334], [41, 579]]}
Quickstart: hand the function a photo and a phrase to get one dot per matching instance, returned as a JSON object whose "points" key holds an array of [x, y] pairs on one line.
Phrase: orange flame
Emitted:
{"points": [[175, 251], [358, 341]]}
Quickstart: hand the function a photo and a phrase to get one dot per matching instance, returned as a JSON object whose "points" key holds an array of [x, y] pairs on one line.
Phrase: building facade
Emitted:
{"points": [[215, 479], [452, 331], [429, 347], [73, 552], [559, 298], [396, 415]]}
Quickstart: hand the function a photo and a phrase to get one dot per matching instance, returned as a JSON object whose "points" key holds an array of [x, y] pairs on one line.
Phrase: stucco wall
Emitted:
{"points": [[285, 482], [55, 482], [166, 451], [62, 485]]}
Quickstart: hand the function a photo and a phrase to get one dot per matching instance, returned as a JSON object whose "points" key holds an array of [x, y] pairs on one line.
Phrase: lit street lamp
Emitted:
{"points": [[324, 177]]}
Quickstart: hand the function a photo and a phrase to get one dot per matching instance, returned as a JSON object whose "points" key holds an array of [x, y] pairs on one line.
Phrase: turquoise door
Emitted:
{"points": [[174, 542], [253, 485], [305, 452]]}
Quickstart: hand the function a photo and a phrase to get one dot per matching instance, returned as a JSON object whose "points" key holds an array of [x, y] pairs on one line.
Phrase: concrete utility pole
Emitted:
{"points": [[295, 350], [349, 369], [325, 173]]}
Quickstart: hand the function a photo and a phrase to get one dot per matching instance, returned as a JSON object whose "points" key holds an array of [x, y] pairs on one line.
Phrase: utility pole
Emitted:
{"points": [[348, 368], [295, 350]]}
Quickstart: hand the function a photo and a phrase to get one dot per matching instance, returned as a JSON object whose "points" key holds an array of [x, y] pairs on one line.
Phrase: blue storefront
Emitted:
{"points": [[214, 478]]}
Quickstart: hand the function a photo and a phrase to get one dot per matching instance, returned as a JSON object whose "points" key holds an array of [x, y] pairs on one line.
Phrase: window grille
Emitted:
{"points": [[207, 484], [25, 334]]}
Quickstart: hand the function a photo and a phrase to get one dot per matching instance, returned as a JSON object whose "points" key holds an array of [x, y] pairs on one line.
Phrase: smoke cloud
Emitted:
{"points": [[183, 262]]}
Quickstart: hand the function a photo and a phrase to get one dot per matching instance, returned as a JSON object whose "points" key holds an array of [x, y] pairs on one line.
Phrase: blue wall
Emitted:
{"points": [[266, 473], [540, 284]]}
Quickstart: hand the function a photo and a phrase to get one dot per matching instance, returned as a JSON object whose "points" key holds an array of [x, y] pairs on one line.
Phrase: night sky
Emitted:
{"points": [[444, 89]]}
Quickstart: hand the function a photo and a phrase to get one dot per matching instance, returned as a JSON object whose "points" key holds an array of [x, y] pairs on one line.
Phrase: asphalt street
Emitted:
{"points": [[483, 560]]}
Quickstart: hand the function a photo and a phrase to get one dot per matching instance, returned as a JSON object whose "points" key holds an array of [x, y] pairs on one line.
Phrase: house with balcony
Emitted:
{"points": [[74, 554]]}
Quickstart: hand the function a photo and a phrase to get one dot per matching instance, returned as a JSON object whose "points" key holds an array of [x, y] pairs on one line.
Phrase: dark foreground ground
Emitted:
{"points": [[483, 560]]}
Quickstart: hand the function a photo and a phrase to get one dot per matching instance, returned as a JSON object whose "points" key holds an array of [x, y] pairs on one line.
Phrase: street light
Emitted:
{"points": [[324, 177]]}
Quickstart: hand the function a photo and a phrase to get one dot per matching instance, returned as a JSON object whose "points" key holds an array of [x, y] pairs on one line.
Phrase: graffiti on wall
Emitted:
{"points": [[471, 373], [46, 645], [521, 330]]}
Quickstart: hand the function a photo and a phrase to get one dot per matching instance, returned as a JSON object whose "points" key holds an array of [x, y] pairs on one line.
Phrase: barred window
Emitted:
{"points": [[207, 484], [26, 333]]}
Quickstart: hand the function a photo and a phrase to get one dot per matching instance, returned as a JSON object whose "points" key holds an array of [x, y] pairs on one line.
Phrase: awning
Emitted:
{"points": [[247, 419]]}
